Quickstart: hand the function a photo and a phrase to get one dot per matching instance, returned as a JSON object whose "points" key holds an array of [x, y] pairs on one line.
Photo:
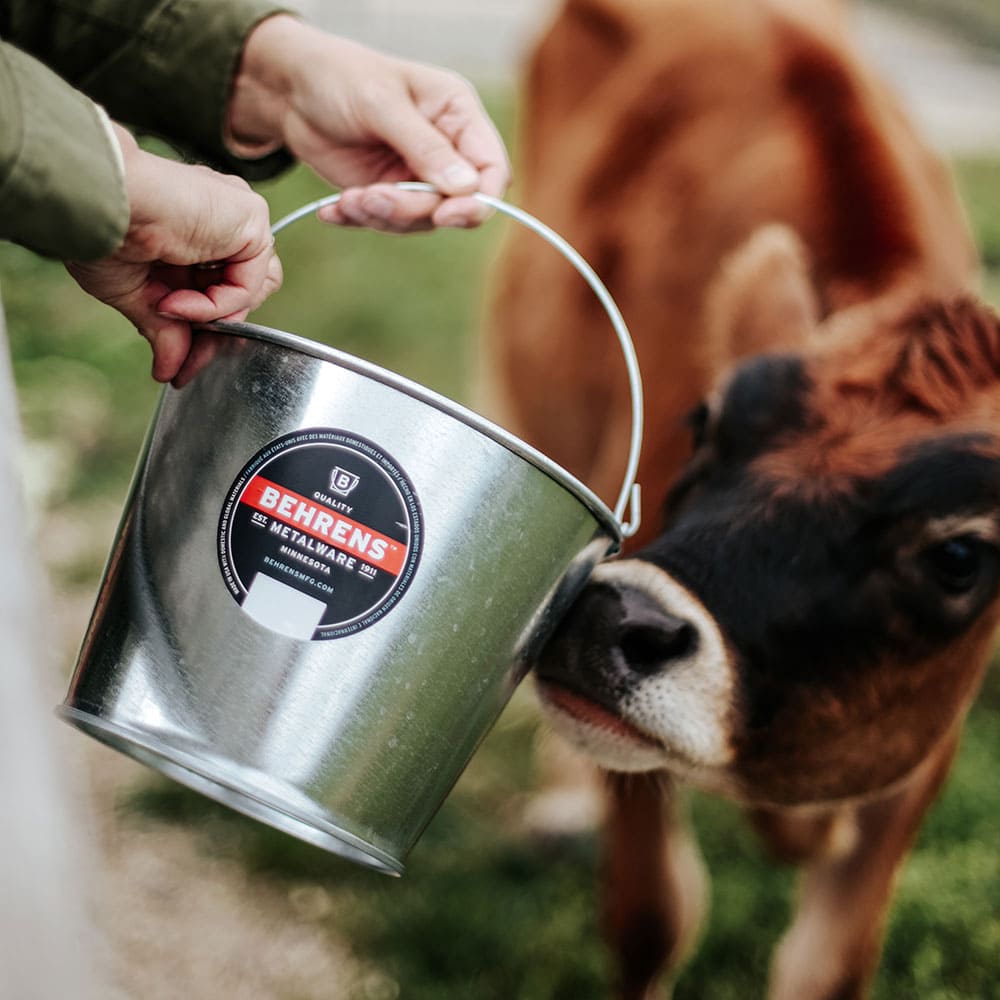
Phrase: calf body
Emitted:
{"points": [[806, 615]]}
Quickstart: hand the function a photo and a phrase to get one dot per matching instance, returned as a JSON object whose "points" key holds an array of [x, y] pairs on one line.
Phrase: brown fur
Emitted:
{"points": [[686, 143], [932, 371], [743, 184]]}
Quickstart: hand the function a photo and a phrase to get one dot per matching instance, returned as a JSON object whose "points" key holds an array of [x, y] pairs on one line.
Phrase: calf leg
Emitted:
{"points": [[832, 949], [569, 800], [654, 882]]}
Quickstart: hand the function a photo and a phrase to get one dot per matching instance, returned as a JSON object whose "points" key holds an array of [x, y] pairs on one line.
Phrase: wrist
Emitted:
{"points": [[127, 146], [131, 157], [150, 186], [263, 86]]}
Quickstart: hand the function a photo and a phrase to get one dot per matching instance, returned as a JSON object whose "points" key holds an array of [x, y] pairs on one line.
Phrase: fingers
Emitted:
{"points": [[461, 213], [170, 340], [169, 332], [163, 314], [440, 130], [458, 114], [466, 212], [134, 292], [428, 151], [389, 209], [168, 336], [383, 207], [453, 106], [237, 286], [204, 347]]}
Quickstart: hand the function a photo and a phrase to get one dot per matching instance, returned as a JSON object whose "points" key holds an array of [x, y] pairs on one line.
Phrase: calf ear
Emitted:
{"points": [[610, 23], [578, 53], [762, 299]]}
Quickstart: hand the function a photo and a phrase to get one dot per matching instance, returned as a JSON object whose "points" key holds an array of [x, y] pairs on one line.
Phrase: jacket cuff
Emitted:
{"points": [[62, 189], [180, 68]]}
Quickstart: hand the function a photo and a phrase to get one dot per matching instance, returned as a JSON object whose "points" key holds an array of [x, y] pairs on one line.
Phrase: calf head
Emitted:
{"points": [[817, 611]]}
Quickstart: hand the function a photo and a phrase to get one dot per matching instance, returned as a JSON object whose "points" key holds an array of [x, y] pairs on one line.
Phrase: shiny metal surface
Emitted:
{"points": [[351, 743]]}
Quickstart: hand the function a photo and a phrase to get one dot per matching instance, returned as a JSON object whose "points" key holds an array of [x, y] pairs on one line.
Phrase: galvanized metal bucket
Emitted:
{"points": [[326, 584]]}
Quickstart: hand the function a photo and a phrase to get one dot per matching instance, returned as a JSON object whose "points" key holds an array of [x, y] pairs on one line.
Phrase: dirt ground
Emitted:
{"points": [[179, 923]]}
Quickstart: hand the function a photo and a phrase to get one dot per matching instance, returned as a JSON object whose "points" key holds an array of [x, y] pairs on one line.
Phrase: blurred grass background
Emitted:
{"points": [[977, 21], [484, 912]]}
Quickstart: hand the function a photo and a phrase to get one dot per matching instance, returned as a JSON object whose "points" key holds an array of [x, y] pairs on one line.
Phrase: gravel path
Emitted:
{"points": [[951, 88], [178, 922]]}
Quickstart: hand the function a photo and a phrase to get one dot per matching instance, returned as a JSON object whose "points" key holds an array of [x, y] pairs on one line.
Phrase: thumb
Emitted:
{"points": [[170, 340], [168, 336], [428, 152], [129, 289]]}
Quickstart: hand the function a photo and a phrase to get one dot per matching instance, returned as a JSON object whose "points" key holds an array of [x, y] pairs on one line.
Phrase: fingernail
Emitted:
{"points": [[461, 175], [170, 315]]}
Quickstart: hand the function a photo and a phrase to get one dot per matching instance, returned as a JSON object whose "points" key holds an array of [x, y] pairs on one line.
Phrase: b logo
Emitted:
{"points": [[342, 481]]}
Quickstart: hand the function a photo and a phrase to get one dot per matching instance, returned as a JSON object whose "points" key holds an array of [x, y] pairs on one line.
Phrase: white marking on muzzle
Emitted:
{"points": [[687, 705]]}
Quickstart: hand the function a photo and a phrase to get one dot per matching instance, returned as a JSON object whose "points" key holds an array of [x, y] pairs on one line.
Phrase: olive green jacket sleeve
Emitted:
{"points": [[62, 190], [162, 66]]}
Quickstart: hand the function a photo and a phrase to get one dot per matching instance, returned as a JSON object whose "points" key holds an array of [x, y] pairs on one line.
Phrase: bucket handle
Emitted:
{"points": [[629, 499]]}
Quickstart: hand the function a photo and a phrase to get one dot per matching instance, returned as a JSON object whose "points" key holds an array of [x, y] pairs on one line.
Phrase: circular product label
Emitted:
{"points": [[320, 534]]}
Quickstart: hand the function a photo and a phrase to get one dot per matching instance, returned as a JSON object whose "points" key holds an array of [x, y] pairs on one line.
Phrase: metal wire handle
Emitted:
{"points": [[630, 497]]}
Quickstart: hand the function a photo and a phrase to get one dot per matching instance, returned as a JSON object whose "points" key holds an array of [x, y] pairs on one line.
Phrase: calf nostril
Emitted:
{"points": [[650, 648]]}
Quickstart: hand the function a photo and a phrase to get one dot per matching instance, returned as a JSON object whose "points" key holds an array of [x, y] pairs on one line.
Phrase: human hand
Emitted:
{"points": [[364, 120], [183, 216]]}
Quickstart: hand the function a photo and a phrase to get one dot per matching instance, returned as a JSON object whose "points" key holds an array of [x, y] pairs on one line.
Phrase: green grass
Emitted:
{"points": [[483, 912], [978, 182], [977, 21]]}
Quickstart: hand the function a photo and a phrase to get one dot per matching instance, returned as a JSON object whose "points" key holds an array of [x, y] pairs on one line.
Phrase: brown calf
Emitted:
{"points": [[806, 615]]}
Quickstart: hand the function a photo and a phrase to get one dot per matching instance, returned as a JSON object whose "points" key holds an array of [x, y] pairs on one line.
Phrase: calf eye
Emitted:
{"points": [[697, 422], [955, 563]]}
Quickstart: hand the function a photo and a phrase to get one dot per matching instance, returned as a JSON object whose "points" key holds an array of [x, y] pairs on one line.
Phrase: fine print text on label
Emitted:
{"points": [[320, 534]]}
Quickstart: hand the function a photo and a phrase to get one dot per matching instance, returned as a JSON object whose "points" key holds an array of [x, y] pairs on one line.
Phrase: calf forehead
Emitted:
{"points": [[894, 462], [880, 388], [941, 478]]}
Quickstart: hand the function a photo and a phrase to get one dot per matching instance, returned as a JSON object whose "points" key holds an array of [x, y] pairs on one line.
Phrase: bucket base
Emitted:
{"points": [[196, 774]]}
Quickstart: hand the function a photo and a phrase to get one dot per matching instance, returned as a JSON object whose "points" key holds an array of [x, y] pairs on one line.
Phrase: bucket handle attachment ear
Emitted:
{"points": [[629, 499]]}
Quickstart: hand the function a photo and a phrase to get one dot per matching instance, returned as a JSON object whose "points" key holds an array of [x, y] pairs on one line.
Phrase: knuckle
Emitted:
{"points": [[254, 231], [460, 83], [370, 96], [255, 204], [143, 243]]}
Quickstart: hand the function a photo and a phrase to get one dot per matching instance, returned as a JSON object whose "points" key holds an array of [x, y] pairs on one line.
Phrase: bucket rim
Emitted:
{"points": [[323, 352], [198, 774]]}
